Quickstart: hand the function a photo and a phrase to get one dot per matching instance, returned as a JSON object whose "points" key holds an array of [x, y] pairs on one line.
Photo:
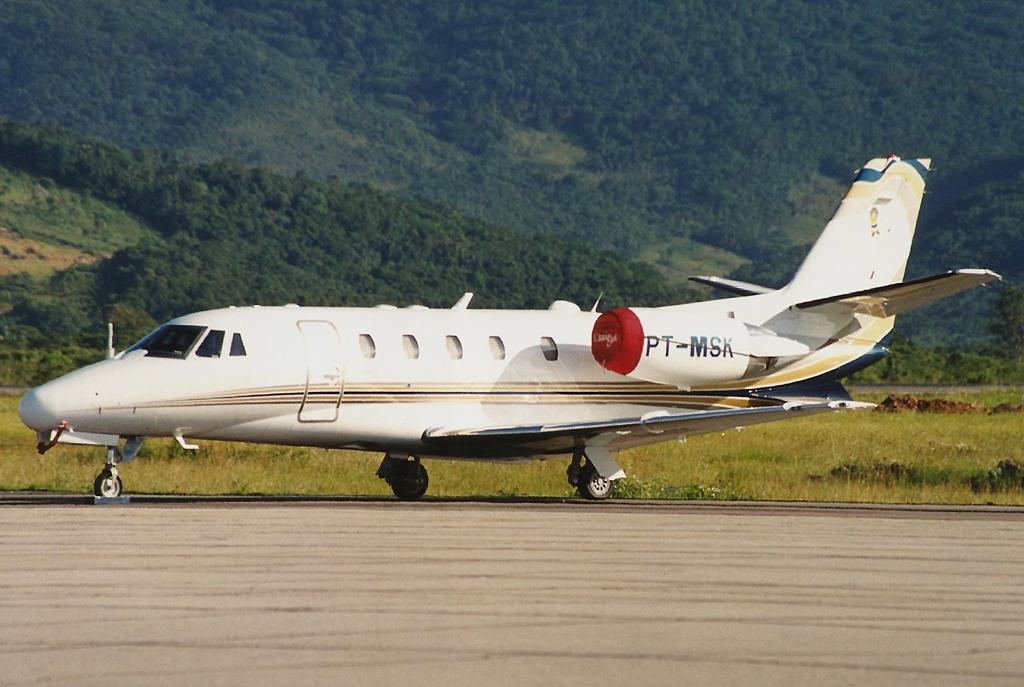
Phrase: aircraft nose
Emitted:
{"points": [[39, 409]]}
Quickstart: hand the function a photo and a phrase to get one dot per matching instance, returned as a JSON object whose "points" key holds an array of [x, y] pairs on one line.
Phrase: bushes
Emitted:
{"points": [[908, 363], [24, 368]]}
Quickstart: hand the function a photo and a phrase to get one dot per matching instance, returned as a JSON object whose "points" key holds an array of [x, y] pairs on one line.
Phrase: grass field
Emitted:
{"points": [[861, 456]]}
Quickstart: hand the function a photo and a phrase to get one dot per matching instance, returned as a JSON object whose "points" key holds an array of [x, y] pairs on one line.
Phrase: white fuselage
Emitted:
{"points": [[368, 378], [380, 378]]}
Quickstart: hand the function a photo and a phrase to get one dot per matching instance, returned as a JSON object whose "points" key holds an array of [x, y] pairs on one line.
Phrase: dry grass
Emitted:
{"points": [[23, 255], [48, 228], [852, 457], [680, 258], [546, 148]]}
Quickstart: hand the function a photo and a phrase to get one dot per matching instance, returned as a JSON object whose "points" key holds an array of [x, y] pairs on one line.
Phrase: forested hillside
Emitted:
{"points": [[701, 136], [90, 234], [983, 227], [211, 235]]}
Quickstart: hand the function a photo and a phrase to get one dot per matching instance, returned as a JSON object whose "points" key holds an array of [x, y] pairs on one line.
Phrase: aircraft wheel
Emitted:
{"points": [[409, 480], [592, 486], [107, 485]]}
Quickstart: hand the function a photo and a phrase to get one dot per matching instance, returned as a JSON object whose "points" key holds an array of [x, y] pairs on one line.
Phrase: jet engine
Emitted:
{"points": [[685, 350]]}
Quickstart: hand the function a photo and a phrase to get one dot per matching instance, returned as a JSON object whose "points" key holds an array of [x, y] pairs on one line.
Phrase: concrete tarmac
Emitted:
{"points": [[462, 593]]}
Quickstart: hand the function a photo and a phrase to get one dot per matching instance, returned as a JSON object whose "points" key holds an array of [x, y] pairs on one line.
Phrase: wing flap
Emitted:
{"points": [[887, 301]]}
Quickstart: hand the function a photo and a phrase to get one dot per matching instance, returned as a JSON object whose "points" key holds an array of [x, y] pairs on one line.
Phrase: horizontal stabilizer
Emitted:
{"points": [[740, 288], [886, 301]]}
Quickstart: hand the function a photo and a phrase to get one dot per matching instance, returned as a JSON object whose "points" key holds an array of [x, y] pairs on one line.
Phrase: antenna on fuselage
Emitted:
{"points": [[110, 340], [594, 309], [463, 302]]}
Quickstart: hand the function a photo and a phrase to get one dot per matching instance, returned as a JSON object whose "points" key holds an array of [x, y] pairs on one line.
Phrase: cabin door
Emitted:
{"points": [[325, 372]]}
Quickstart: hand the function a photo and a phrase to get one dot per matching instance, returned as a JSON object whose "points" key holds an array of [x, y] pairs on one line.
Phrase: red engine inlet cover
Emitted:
{"points": [[617, 341]]}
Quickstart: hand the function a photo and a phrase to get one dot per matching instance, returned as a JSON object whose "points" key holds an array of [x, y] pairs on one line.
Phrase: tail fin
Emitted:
{"points": [[842, 301], [867, 242]]}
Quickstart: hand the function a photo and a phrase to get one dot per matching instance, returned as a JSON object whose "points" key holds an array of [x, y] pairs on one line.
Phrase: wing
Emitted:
{"points": [[886, 301], [614, 435]]}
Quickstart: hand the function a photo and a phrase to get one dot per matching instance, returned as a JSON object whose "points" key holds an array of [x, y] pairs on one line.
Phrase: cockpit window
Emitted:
{"points": [[212, 344], [170, 341], [237, 347]]}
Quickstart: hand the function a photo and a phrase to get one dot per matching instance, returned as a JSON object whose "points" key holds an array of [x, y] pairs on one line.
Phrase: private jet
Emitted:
{"points": [[514, 386]]}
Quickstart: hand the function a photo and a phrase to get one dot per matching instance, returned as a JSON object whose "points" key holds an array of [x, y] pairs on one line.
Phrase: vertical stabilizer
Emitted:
{"points": [[867, 242]]}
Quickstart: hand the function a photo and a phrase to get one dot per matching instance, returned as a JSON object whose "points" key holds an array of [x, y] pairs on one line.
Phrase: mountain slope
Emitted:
{"points": [[635, 125], [223, 233], [982, 228], [696, 118]]}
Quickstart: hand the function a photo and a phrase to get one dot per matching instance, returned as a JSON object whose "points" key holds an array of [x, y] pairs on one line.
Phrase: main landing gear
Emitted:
{"points": [[588, 482], [406, 476], [108, 483]]}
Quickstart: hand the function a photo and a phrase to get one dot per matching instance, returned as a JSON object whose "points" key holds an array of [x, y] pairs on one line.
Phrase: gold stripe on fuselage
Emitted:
{"points": [[628, 394]]}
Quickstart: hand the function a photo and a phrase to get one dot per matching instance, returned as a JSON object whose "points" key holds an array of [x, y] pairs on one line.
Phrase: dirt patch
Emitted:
{"points": [[906, 403], [22, 255]]}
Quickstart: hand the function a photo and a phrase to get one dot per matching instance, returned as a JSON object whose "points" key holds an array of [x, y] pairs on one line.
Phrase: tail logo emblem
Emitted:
{"points": [[874, 222]]}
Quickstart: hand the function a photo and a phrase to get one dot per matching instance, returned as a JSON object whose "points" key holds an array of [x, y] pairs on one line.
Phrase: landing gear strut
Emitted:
{"points": [[572, 473], [407, 478]]}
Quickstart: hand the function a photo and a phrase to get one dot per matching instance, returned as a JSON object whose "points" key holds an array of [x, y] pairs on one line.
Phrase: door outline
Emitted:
{"points": [[325, 369]]}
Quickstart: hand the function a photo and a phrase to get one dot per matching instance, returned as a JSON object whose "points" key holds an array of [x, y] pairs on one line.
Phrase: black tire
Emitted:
{"points": [[409, 480], [106, 485], [592, 486]]}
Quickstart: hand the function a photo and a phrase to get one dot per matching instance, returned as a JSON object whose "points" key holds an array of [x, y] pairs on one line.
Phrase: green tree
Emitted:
{"points": [[1007, 321]]}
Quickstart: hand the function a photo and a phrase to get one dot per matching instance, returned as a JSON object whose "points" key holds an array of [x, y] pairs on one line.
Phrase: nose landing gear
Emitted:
{"points": [[108, 483]]}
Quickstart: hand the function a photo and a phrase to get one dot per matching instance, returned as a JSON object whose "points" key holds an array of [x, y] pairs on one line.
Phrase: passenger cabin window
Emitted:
{"points": [[497, 348], [454, 347], [411, 346], [367, 346], [170, 341], [237, 347], [547, 344], [212, 344]]}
